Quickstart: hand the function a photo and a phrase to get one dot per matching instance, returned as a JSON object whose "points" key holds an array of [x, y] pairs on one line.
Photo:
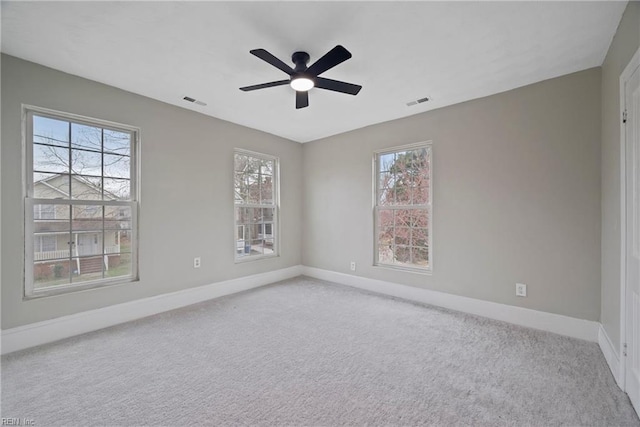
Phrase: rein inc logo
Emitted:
{"points": [[18, 422]]}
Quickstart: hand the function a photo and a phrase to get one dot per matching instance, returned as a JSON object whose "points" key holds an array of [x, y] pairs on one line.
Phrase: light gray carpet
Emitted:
{"points": [[304, 352]]}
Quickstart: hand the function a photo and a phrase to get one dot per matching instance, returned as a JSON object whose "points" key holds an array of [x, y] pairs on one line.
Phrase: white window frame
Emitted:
{"points": [[428, 206], [30, 201], [275, 206]]}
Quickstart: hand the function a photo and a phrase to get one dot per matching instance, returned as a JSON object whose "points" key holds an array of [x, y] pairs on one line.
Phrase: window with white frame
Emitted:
{"points": [[403, 207], [45, 243], [256, 205], [80, 202]]}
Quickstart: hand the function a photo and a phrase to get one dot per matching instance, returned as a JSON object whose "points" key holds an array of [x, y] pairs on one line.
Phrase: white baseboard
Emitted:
{"points": [[556, 323], [610, 354], [34, 334]]}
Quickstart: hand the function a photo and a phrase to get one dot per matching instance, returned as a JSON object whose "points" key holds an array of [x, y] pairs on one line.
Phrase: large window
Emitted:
{"points": [[256, 205], [403, 207], [80, 204]]}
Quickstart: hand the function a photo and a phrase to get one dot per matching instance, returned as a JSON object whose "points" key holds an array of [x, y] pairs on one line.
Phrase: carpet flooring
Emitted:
{"points": [[306, 352]]}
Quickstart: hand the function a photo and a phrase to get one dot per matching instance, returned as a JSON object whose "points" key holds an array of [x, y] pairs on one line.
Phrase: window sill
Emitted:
{"points": [[255, 258], [421, 271], [85, 286]]}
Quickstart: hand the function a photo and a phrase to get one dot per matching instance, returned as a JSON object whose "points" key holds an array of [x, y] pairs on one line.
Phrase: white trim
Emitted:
{"points": [[34, 334], [610, 354], [624, 77], [556, 323]]}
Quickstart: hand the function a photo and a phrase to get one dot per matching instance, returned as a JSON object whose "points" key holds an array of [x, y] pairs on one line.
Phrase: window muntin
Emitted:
{"points": [[256, 205], [81, 191], [403, 208]]}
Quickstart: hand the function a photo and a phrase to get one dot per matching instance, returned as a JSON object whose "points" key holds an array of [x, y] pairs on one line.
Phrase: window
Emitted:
{"points": [[80, 202], [256, 205], [403, 207], [44, 212], [45, 243]]}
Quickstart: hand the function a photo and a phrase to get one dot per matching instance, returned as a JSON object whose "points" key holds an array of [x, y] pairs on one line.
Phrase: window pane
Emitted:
{"points": [[419, 237], [402, 217], [50, 159], [386, 193], [420, 218], [252, 183], [385, 254], [87, 268], [50, 186], [402, 236], [117, 166], [402, 254], [86, 217], [117, 142], [50, 246], [117, 217], [264, 246], [87, 243], [239, 189], [117, 189], [86, 162], [385, 162], [118, 265], [86, 187], [247, 215], [56, 224], [266, 190], [87, 137], [48, 274], [266, 168], [44, 212], [420, 257], [50, 131], [257, 247], [243, 248], [267, 214], [421, 194]]}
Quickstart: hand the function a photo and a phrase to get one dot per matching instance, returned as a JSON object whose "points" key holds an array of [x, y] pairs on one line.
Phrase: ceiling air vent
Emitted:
{"points": [[193, 100], [418, 101]]}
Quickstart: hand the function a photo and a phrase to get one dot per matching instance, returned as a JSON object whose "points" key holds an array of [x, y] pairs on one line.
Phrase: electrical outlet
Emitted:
{"points": [[353, 266], [521, 290], [196, 262]]}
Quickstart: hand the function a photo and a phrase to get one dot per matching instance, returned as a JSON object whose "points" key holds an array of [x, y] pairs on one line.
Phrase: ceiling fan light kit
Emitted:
{"points": [[302, 83], [303, 78]]}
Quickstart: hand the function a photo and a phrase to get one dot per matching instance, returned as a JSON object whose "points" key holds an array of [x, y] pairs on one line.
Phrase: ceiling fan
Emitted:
{"points": [[303, 78]]}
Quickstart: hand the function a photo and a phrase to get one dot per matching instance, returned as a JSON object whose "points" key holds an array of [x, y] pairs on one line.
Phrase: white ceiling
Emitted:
{"points": [[450, 51]]}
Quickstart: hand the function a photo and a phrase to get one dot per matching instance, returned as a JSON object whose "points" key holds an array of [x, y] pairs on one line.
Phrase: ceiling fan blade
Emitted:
{"points": [[332, 58], [302, 99], [265, 85], [267, 57], [337, 86]]}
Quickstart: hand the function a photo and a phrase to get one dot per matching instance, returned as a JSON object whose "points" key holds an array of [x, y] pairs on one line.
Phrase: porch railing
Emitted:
{"points": [[64, 253]]}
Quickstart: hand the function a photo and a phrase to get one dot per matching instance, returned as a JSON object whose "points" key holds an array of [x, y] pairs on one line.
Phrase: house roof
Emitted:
{"points": [[46, 182]]}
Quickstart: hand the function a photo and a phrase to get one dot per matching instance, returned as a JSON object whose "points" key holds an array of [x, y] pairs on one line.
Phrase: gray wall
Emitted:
{"points": [[516, 197], [186, 191], [624, 45]]}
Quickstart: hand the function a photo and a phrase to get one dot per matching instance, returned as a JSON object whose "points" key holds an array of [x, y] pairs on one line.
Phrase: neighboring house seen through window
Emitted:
{"points": [[256, 205], [81, 189], [403, 207]]}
